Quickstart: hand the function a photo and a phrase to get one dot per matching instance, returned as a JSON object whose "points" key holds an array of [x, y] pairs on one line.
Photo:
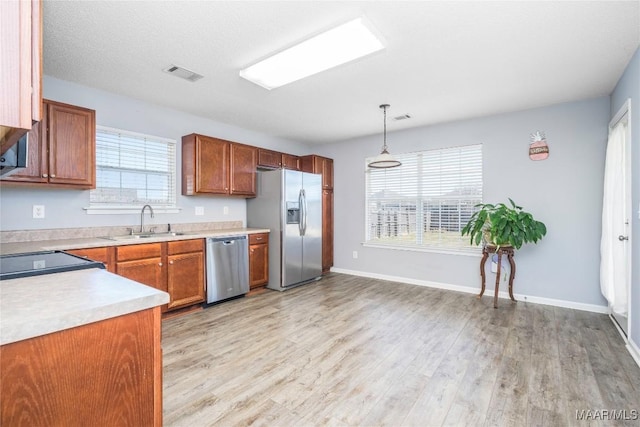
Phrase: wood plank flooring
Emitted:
{"points": [[351, 351]]}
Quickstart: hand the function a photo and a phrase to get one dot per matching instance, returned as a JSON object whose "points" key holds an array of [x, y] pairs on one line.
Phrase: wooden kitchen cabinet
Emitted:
{"points": [[258, 260], [62, 148], [324, 166], [327, 230], [185, 272], [244, 159], [290, 161], [175, 267], [107, 373], [270, 159], [20, 69], [105, 255], [144, 263], [217, 167]]}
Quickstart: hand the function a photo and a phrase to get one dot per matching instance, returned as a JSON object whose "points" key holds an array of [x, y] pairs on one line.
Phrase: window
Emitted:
{"points": [[427, 201], [133, 170]]}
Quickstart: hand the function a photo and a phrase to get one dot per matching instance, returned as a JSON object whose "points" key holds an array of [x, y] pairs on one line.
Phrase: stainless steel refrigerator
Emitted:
{"points": [[289, 203]]}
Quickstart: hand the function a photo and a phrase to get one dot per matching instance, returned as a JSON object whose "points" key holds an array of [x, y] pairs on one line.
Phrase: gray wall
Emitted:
{"points": [[629, 87], [64, 208], [564, 191]]}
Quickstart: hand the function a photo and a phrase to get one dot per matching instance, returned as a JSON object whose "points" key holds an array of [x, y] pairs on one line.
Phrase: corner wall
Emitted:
{"points": [[564, 191]]}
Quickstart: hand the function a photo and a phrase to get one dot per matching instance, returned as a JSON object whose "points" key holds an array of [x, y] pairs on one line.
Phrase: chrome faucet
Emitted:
{"points": [[142, 217]]}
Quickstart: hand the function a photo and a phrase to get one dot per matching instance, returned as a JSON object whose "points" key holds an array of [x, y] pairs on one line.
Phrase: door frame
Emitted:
{"points": [[624, 115]]}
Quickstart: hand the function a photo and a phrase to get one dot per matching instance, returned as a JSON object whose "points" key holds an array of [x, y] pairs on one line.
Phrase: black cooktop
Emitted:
{"points": [[37, 263]]}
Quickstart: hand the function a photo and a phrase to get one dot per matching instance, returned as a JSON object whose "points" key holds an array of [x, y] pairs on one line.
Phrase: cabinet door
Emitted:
{"points": [[327, 230], [37, 169], [269, 159], [148, 271], [185, 279], [212, 165], [258, 265], [326, 169], [244, 160], [290, 162], [71, 133]]}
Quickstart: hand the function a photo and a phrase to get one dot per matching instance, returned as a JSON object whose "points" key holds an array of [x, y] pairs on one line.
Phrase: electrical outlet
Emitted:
{"points": [[38, 211], [355, 254], [225, 210], [199, 210]]}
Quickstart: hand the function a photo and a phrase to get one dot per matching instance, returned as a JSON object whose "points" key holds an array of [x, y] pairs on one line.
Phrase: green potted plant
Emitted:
{"points": [[501, 225]]}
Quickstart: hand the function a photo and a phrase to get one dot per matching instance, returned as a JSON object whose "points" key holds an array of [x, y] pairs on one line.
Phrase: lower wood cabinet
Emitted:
{"points": [[258, 260], [107, 373], [185, 272], [175, 267]]}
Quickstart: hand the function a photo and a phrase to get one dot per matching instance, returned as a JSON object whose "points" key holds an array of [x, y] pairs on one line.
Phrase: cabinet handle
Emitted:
{"points": [[53, 176], [160, 264], [258, 238], [171, 262], [44, 175], [251, 251]]}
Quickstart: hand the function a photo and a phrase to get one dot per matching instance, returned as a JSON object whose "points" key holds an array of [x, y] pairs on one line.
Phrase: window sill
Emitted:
{"points": [[117, 210], [463, 252]]}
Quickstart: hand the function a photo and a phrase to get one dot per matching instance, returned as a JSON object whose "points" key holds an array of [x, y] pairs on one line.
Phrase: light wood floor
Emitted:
{"points": [[350, 351]]}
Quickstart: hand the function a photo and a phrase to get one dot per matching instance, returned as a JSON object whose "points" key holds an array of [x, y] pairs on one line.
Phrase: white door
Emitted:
{"points": [[615, 248]]}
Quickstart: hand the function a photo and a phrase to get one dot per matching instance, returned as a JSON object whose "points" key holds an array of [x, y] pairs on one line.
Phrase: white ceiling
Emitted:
{"points": [[443, 60]]}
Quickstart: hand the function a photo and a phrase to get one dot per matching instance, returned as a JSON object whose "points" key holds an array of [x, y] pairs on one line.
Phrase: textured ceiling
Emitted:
{"points": [[443, 61]]}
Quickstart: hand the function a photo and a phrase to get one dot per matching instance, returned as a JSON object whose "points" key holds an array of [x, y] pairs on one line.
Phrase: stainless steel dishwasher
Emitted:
{"points": [[227, 268]]}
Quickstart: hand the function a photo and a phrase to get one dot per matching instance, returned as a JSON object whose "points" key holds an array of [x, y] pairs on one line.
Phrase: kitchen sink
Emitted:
{"points": [[136, 236]]}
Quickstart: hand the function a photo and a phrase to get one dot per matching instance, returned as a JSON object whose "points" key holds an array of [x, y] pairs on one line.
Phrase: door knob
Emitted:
{"points": [[623, 238]]}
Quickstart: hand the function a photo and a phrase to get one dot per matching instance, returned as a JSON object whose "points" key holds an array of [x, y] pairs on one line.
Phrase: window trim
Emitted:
{"points": [[470, 250], [111, 209]]}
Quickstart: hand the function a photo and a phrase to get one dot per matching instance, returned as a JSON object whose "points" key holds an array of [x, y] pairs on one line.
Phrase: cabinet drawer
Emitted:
{"points": [[131, 252], [185, 246], [258, 238], [95, 254]]}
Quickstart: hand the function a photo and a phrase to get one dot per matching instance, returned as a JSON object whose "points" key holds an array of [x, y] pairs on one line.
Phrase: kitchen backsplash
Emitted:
{"points": [[16, 236]]}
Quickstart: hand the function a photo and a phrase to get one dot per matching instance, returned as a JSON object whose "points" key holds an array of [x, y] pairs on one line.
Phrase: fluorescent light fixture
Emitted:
{"points": [[340, 45]]}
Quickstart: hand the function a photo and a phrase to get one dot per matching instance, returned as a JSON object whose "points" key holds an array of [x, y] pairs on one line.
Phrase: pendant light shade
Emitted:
{"points": [[384, 160]]}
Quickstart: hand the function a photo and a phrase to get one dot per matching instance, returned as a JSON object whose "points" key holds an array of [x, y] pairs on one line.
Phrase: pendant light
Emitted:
{"points": [[384, 160]]}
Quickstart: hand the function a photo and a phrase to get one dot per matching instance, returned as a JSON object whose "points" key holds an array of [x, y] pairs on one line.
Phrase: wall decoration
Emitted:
{"points": [[538, 149]]}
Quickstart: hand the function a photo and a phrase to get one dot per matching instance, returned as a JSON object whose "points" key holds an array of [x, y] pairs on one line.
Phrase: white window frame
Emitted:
{"points": [[414, 191], [125, 207]]}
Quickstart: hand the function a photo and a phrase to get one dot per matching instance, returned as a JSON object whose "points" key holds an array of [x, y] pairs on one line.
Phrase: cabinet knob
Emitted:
{"points": [[53, 176], [171, 262], [160, 264], [44, 175]]}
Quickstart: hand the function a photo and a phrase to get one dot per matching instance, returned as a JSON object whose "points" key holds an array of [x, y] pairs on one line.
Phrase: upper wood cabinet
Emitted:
{"points": [[274, 160], [244, 159], [321, 165], [62, 148], [216, 166], [20, 69]]}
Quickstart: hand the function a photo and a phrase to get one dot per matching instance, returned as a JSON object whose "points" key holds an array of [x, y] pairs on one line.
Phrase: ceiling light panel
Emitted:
{"points": [[337, 46]]}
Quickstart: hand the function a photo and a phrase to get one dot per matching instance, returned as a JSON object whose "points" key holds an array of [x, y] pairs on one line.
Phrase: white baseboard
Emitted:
{"points": [[489, 292], [634, 350]]}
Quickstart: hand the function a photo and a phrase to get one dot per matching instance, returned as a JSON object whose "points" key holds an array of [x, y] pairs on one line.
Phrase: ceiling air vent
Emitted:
{"points": [[183, 73], [402, 117]]}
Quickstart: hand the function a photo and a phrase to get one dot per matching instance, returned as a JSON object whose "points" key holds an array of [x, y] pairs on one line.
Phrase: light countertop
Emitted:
{"points": [[96, 242], [39, 305]]}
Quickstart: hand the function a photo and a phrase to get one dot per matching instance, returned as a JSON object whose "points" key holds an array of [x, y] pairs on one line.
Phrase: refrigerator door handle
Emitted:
{"points": [[304, 212], [301, 208]]}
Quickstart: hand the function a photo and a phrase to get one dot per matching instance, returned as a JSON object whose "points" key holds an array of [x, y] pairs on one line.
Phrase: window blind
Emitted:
{"points": [[426, 202], [133, 170]]}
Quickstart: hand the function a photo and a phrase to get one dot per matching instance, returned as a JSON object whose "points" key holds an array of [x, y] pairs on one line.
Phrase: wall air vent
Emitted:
{"points": [[402, 117], [183, 73]]}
